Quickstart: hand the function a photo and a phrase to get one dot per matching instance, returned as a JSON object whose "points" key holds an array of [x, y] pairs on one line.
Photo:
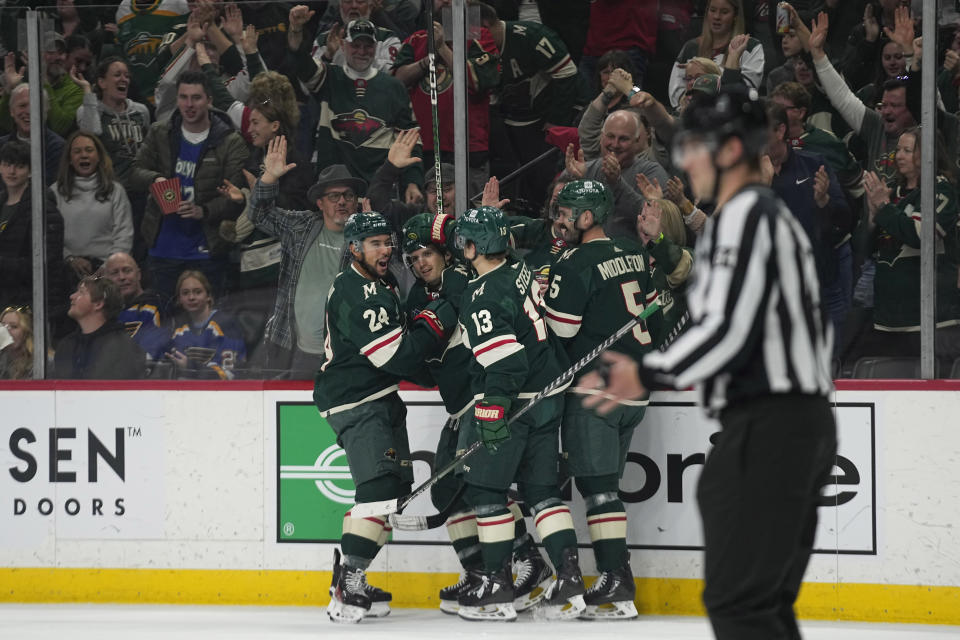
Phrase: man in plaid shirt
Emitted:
{"points": [[312, 245]]}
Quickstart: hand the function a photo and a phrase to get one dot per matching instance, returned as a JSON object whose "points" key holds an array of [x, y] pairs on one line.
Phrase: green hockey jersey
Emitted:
{"points": [[597, 288], [359, 117], [142, 29], [368, 345], [501, 317], [538, 78], [450, 368], [896, 287]]}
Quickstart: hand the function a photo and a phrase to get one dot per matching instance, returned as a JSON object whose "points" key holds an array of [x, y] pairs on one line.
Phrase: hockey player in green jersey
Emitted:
{"points": [[369, 346], [440, 276], [542, 237], [595, 289], [514, 358]]}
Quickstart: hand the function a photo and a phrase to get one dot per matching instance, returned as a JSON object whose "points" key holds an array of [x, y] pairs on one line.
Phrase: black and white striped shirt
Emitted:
{"points": [[757, 323]]}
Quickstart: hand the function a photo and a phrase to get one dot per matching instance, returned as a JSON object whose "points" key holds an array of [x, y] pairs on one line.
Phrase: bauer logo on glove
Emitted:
{"points": [[490, 414], [490, 420]]}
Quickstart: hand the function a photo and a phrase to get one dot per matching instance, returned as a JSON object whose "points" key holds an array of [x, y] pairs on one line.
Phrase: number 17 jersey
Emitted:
{"points": [[597, 288]]}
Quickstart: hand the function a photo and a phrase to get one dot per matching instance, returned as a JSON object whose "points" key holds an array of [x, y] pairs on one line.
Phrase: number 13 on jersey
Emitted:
{"points": [[531, 306]]}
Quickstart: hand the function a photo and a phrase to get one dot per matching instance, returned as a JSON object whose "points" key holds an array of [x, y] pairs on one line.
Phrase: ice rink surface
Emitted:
{"points": [[148, 622]]}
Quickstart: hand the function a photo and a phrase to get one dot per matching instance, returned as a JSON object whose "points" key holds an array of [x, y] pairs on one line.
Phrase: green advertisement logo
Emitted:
{"points": [[314, 488]]}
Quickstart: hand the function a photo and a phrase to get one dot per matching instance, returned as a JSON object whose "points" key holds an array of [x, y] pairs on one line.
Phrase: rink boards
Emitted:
{"points": [[233, 493]]}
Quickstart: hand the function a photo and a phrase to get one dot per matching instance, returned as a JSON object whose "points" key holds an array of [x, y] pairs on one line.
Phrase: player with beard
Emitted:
{"points": [[595, 288], [369, 347], [439, 275]]}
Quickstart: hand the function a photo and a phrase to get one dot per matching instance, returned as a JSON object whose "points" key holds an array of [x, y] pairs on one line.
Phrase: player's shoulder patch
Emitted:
{"points": [[478, 292], [567, 255], [370, 289], [519, 28]]}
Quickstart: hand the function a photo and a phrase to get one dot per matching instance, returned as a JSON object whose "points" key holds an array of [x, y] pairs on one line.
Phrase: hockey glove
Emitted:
{"points": [[439, 228], [440, 317], [490, 420]]}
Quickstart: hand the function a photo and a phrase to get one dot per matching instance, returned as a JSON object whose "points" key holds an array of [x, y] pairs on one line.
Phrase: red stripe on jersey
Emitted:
{"points": [[552, 512], [591, 521], [559, 319], [494, 346], [377, 520], [382, 344], [463, 519], [560, 64], [505, 520]]}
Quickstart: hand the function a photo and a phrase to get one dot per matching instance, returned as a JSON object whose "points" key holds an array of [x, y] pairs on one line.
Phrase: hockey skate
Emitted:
{"points": [[490, 599], [533, 578], [379, 599], [564, 598], [449, 596], [611, 596], [349, 602]]}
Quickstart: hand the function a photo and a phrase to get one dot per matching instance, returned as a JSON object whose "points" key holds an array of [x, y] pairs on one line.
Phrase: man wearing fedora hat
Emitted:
{"points": [[312, 251]]}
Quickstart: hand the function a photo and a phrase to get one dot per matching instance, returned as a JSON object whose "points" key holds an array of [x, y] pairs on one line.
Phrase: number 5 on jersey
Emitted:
{"points": [[630, 292]]}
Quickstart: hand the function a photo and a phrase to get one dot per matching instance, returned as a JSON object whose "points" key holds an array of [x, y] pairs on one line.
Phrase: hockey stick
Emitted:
{"points": [[405, 522], [420, 523], [434, 112], [397, 505], [521, 169]]}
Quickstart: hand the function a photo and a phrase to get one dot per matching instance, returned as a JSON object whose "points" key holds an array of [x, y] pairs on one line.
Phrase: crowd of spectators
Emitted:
{"points": [[173, 250]]}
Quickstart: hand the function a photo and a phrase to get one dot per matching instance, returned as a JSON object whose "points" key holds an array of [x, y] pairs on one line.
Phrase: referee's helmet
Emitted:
{"points": [[735, 111]]}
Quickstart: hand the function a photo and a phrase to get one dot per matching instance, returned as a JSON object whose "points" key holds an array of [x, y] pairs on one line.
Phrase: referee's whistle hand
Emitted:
{"points": [[622, 382]]}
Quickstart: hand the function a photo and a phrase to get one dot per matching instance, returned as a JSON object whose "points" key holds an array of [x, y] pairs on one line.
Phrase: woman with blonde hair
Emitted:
{"points": [[722, 40], [16, 358], [661, 230], [891, 228]]}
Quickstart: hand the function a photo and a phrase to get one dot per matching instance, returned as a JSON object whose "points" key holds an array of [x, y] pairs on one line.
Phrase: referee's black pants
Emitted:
{"points": [[758, 497]]}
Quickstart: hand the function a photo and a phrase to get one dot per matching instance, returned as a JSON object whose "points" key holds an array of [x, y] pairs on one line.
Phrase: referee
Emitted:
{"points": [[758, 351]]}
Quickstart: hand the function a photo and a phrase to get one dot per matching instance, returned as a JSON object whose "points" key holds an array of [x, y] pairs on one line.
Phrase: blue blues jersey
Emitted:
{"points": [[213, 349], [143, 323]]}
